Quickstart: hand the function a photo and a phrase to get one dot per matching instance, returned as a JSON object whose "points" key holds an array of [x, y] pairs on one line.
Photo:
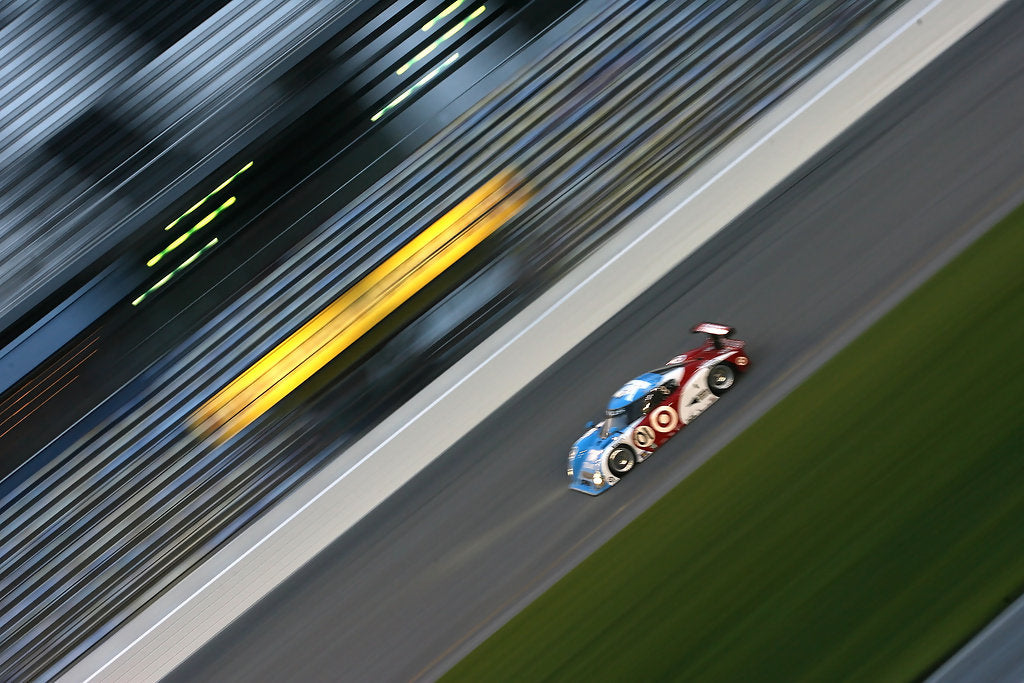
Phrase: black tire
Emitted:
{"points": [[721, 378], [621, 460]]}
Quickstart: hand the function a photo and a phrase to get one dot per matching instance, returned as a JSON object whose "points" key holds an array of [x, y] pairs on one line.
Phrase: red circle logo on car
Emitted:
{"points": [[664, 419], [643, 437]]}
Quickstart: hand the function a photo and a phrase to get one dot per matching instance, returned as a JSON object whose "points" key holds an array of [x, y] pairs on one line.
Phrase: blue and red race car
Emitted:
{"points": [[649, 410]]}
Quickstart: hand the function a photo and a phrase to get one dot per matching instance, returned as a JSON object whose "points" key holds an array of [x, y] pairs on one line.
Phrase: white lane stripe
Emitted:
{"points": [[700, 190]]}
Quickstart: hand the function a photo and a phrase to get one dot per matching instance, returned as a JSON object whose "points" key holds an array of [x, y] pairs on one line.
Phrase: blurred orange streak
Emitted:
{"points": [[35, 390]]}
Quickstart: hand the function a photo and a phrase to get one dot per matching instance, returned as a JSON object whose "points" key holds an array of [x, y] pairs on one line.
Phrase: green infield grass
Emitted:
{"points": [[863, 529]]}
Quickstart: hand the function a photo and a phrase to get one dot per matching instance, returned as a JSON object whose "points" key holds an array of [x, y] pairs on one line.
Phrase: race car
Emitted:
{"points": [[649, 410]]}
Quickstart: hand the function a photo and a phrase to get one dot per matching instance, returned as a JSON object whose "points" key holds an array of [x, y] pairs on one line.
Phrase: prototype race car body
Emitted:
{"points": [[649, 410]]}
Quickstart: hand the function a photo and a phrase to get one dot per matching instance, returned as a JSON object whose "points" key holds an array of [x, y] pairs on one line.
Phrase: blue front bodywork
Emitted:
{"points": [[587, 454], [590, 449]]}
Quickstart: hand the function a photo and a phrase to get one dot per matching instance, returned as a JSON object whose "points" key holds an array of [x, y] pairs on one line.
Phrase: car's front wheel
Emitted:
{"points": [[721, 378], [621, 460]]}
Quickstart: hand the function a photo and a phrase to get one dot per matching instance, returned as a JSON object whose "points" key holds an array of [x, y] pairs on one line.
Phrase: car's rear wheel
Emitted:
{"points": [[621, 460], [721, 378]]}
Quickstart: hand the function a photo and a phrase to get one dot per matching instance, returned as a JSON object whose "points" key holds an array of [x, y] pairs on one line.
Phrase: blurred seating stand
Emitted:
{"points": [[111, 109]]}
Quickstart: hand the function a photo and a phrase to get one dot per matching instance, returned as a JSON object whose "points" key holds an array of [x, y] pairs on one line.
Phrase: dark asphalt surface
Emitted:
{"points": [[491, 523]]}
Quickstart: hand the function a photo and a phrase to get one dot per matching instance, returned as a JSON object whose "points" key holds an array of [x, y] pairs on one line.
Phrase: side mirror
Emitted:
{"points": [[589, 425]]}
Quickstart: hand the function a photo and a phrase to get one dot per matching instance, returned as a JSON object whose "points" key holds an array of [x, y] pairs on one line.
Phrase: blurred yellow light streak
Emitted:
{"points": [[360, 308], [444, 13]]}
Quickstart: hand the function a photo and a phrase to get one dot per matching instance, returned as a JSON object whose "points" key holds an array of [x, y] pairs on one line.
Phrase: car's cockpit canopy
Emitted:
{"points": [[635, 399], [614, 420], [617, 419]]}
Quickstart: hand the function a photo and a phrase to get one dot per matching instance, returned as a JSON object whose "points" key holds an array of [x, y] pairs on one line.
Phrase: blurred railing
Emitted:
{"points": [[627, 104], [90, 106]]}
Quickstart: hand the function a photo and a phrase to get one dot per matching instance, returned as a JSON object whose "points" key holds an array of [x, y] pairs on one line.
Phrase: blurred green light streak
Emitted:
{"points": [[203, 200], [445, 36], [166, 278], [416, 86], [198, 226]]}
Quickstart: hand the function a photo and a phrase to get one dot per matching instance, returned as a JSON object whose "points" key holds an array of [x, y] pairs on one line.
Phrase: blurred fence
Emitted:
{"points": [[107, 103]]}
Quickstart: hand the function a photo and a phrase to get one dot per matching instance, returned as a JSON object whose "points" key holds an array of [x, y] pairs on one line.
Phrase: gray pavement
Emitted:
{"points": [[996, 655], [489, 525]]}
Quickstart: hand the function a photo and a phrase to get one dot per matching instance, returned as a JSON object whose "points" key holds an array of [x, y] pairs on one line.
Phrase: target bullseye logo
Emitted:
{"points": [[643, 437], [664, 419]]}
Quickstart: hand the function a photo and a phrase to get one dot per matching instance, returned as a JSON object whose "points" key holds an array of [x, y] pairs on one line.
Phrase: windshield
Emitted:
{"points": [[613, 423], [620, 418]]}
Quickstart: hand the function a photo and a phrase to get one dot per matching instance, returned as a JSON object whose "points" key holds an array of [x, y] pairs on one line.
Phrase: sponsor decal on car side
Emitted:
{"points": [[643, 437]]}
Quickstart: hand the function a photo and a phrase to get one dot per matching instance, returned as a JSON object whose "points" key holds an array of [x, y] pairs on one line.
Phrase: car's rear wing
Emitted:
{"points": [[715, 331]]}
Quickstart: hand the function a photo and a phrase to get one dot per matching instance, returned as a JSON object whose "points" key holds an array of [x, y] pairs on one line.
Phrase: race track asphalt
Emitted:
{"points": [[490, 524]]}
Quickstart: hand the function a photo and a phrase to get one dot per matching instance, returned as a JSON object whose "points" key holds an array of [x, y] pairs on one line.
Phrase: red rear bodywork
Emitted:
{"points": [[692, 396]]}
